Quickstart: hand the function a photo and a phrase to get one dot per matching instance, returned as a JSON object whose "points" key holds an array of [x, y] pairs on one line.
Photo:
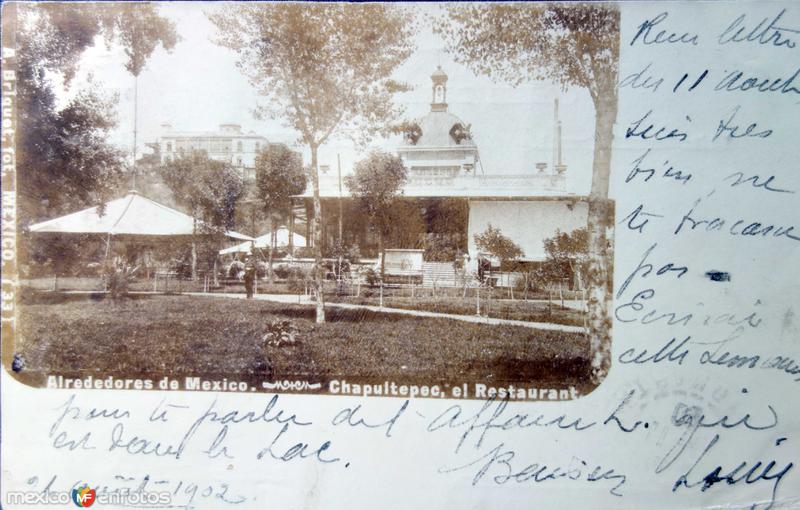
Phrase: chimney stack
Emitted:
{"points": [[559, 166], [555, 132]]}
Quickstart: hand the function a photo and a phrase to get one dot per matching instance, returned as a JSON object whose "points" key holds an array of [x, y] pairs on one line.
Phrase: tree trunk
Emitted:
{"points": [[382, 251], [600, 231], [291, 227], [272, 237], [309, 237], [194, 249], [317, 231], [526, 286], [194, 260]]}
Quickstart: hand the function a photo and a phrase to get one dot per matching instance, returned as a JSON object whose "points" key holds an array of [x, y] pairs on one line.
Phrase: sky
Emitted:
{"points": [[196, 87]]}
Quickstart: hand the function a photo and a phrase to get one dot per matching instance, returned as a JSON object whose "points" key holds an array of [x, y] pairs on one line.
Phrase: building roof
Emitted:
{"points": [[503, 187], [439, 73], [209, 134], [436, 126], [227, 130]]}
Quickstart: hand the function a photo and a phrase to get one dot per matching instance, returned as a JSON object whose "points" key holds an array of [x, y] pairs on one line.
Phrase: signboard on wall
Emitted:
{"points": [[403, 261]]}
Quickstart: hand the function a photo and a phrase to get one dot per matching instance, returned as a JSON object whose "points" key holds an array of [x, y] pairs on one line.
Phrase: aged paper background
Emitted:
{"points": [[712, 423]]}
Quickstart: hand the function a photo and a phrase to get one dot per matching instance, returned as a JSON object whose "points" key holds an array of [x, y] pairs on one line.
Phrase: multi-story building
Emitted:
{"points": [[228, 144]]}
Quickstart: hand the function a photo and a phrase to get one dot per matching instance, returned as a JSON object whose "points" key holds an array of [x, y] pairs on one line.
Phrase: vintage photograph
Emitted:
{"points": [[404, 200]]}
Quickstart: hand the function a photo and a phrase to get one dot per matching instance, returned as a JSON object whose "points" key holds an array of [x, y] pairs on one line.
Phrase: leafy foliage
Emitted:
{"points": [[570, 250], [410, 130], [575, 44], [571, 44], [493, 242], [140, 30], [278, 332], [279, 177], [298, 279], [375, 183], [460, 132], [320, 66], [403, 225], [210, 190], [117, 279], [60, 254], [64, 161], [447, 221], [207, 188]]}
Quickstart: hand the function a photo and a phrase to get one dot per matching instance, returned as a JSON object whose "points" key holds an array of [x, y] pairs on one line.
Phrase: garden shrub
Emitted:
{"points": [[118, 280], [279, 332], [235, 269], [372, 277], [297, 279], [281, 271]]}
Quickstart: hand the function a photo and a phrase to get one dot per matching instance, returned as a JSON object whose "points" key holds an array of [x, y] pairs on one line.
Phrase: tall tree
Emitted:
{"points": [[64, 161], [568, 253], [571, 45], [279, 177], [497, 244], [376, 183], [322, 67], [210, 190], [141, 32]]}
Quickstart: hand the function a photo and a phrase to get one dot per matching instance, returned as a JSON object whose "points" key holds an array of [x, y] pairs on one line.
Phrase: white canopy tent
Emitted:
{"points": [[263, 242], [132, 218], [131, 215]]}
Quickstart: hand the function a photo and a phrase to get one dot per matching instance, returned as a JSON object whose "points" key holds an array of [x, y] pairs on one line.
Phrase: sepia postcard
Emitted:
{"points": [[400, 255]]}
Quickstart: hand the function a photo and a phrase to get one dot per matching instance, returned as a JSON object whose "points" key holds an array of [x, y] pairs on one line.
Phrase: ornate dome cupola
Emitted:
{"points": [[438, 148], [439, 78]]}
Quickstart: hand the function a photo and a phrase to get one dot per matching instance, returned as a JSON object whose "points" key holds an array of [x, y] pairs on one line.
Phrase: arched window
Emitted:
{"points": [[239, 146], [438, 94]]}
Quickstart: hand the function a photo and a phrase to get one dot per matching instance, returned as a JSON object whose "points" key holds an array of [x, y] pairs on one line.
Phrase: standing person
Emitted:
{"points": [[249, 277], [481, 268]]}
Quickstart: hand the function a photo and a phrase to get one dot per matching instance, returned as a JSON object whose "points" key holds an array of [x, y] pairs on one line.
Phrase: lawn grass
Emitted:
{"points": [[494, 302], [85, 283], [500, 309], [151, 336]]}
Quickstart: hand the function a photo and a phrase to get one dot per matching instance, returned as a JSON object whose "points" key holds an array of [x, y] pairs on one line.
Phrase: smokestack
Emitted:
{"points": [[559, 144], [556, 136], [559, 166]]}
